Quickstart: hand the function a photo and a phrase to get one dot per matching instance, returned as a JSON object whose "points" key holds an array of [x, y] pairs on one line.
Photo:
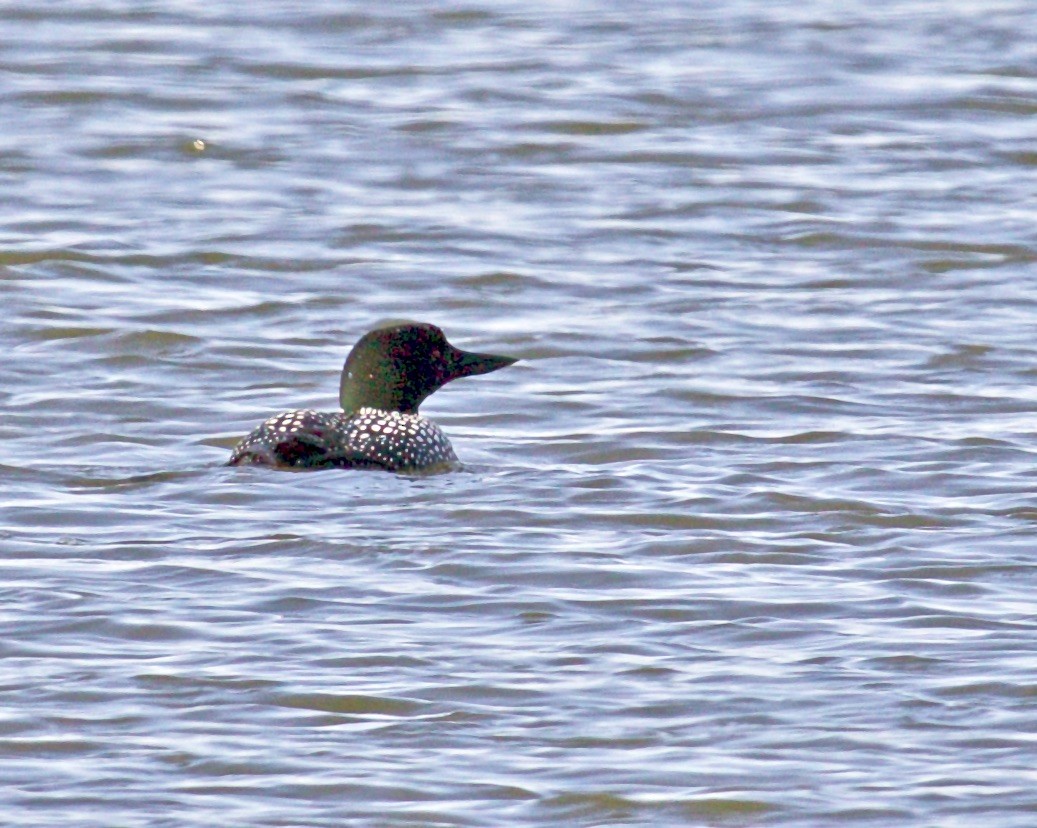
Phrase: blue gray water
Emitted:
{"points": [[747, 538]]}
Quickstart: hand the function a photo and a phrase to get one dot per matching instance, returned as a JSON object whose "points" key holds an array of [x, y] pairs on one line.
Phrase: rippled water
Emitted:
{"points": [[746, 538]]}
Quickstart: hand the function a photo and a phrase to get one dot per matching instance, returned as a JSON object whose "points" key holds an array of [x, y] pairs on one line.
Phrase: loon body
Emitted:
{"points": [[387, 375]]}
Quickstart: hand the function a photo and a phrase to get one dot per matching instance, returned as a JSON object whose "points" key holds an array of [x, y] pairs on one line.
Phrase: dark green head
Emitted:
{"points": [[394, 368]]}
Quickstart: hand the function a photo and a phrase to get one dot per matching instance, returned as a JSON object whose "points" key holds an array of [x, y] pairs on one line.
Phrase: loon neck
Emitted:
{"points": [[356, 393]]}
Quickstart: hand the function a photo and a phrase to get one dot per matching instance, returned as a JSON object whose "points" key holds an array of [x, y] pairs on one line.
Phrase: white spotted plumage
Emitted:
{"points": [[391, 439]]}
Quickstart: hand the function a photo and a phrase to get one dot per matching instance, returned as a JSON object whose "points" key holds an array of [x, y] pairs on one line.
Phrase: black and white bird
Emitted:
{"points": [[387, 375]]}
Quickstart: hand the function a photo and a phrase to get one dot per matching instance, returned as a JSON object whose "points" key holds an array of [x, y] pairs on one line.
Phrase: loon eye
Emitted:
{"points": [[436, 354]]}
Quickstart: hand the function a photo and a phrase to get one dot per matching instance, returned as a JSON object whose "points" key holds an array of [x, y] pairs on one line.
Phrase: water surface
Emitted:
{"points": [[746, 537]]}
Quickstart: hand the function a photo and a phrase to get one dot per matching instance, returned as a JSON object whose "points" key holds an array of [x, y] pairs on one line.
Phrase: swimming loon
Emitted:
{"points": [[387, 375]]}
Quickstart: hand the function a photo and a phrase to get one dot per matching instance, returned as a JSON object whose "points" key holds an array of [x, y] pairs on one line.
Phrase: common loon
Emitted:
{"points": [[387, 375]]}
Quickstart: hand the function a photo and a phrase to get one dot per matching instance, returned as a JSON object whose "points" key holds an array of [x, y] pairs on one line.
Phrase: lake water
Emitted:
{"points": [[747, 538]]}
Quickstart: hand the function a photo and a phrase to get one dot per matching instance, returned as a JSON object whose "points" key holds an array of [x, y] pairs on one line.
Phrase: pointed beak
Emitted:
{"points": [[467, 364]]}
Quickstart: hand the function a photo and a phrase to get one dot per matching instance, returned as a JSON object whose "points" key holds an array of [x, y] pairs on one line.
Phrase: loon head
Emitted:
{"points": [[395, 367]]}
